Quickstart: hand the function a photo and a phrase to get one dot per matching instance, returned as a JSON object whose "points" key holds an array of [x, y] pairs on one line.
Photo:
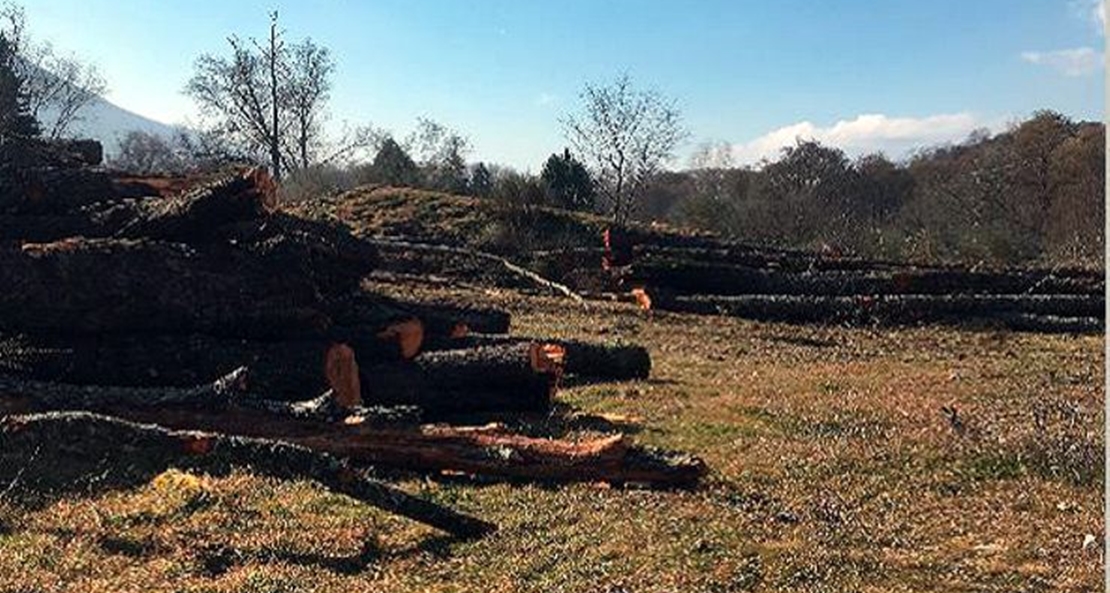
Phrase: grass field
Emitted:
{"points": [[833, 468]]}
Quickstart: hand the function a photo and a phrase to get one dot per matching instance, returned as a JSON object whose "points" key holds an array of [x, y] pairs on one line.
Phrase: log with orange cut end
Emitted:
{"points": [[643, 299], [341, 371], [408, 334]]}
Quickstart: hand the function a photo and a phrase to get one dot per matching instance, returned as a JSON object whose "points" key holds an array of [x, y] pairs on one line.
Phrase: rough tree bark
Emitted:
{"points": [[604, 361], [503, 378], [104, 285]]}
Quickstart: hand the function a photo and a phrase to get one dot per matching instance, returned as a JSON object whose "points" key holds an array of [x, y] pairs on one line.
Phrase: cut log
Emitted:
{"points": [[285, 369], [441, 319], [341, 371], [603, 361], [52, 396], [894, 309], [1052, 324], [691, 277], [326, 408], [335, 260], [54, 451], [105, 285], [501, 378], [438, 320], [239, 196], [50, 190]]}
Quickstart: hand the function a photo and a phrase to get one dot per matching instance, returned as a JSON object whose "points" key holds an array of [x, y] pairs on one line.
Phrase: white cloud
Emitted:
{"points": [[867, 133], [1091, 10], [1079, 61]]}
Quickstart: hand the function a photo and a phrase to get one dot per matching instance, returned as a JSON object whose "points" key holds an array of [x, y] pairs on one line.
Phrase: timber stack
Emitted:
{"points": [[702, 274], [825, 287], [136, 307]]}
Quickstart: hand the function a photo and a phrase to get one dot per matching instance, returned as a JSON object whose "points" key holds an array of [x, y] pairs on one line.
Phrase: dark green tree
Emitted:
{"points": [[394, 166], [566, 182], [481, 181], [16, 120]]}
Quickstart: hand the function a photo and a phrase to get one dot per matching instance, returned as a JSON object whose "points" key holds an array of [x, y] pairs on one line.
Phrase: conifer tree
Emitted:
{"points": [[16, 120]]}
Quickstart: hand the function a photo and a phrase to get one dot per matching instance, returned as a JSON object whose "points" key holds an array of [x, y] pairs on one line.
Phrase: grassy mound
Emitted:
{"points": [[475, 223]]}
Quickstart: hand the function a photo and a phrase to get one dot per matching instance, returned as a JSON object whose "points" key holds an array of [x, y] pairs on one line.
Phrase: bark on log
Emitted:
{"points": [[325, 408], [1052, 324], [99, 285], [329, 254], [285, 370], [235, 197], [442, 319], [603, 361], [50, 190], [439, 319], [58, 450], [95, 220], [896, 309], [54, 396], [502, 378], [689, 277]]}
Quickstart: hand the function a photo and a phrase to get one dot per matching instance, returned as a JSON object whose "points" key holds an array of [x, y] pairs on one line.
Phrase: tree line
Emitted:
{"points": [[1033, 193]]}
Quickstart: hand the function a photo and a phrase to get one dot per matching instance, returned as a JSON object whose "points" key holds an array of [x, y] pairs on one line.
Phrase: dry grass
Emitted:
{"points": [[834, 469]]}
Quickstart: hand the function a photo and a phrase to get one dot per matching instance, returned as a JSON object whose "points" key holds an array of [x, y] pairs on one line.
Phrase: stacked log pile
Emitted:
{"points": [[799, 287], [186, 305]]}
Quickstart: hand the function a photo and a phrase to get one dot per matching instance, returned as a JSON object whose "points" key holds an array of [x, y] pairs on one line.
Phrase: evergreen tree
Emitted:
{"points": [[16, 120], [566, 182], [481, 181], [394, 166]]}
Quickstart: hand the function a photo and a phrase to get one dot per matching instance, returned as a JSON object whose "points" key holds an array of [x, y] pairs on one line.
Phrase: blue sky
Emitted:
{"points": [[863, 75]]}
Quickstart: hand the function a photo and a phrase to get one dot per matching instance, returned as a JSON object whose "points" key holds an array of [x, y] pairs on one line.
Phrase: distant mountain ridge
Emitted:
{"points": [[108, 123], [104, 121]]}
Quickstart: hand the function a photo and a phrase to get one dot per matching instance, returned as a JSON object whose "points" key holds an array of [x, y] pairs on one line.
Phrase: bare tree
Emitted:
{"points": [[441, 154], [145, 153], [58, 88], [237, 95], [309, 69], [627, 135], [270, 99]]}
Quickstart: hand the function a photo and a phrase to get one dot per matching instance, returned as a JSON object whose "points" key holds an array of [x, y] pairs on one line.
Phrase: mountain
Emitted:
{"points": [[101, 119], [107, 122]]}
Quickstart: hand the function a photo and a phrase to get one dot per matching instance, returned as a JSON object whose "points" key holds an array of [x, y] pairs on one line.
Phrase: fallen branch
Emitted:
{"points": [[68, 448], [490, 450], [510, 266]]}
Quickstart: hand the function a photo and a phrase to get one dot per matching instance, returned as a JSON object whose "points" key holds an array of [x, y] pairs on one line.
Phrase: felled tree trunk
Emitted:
{"points": [[602, 361], [893, 309], [689, 277], [439, 319], [107, 285], [54, 396], [442, 319], [64, 450], [239, 196], [50, 190], [288, 369], [503, 378]]}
